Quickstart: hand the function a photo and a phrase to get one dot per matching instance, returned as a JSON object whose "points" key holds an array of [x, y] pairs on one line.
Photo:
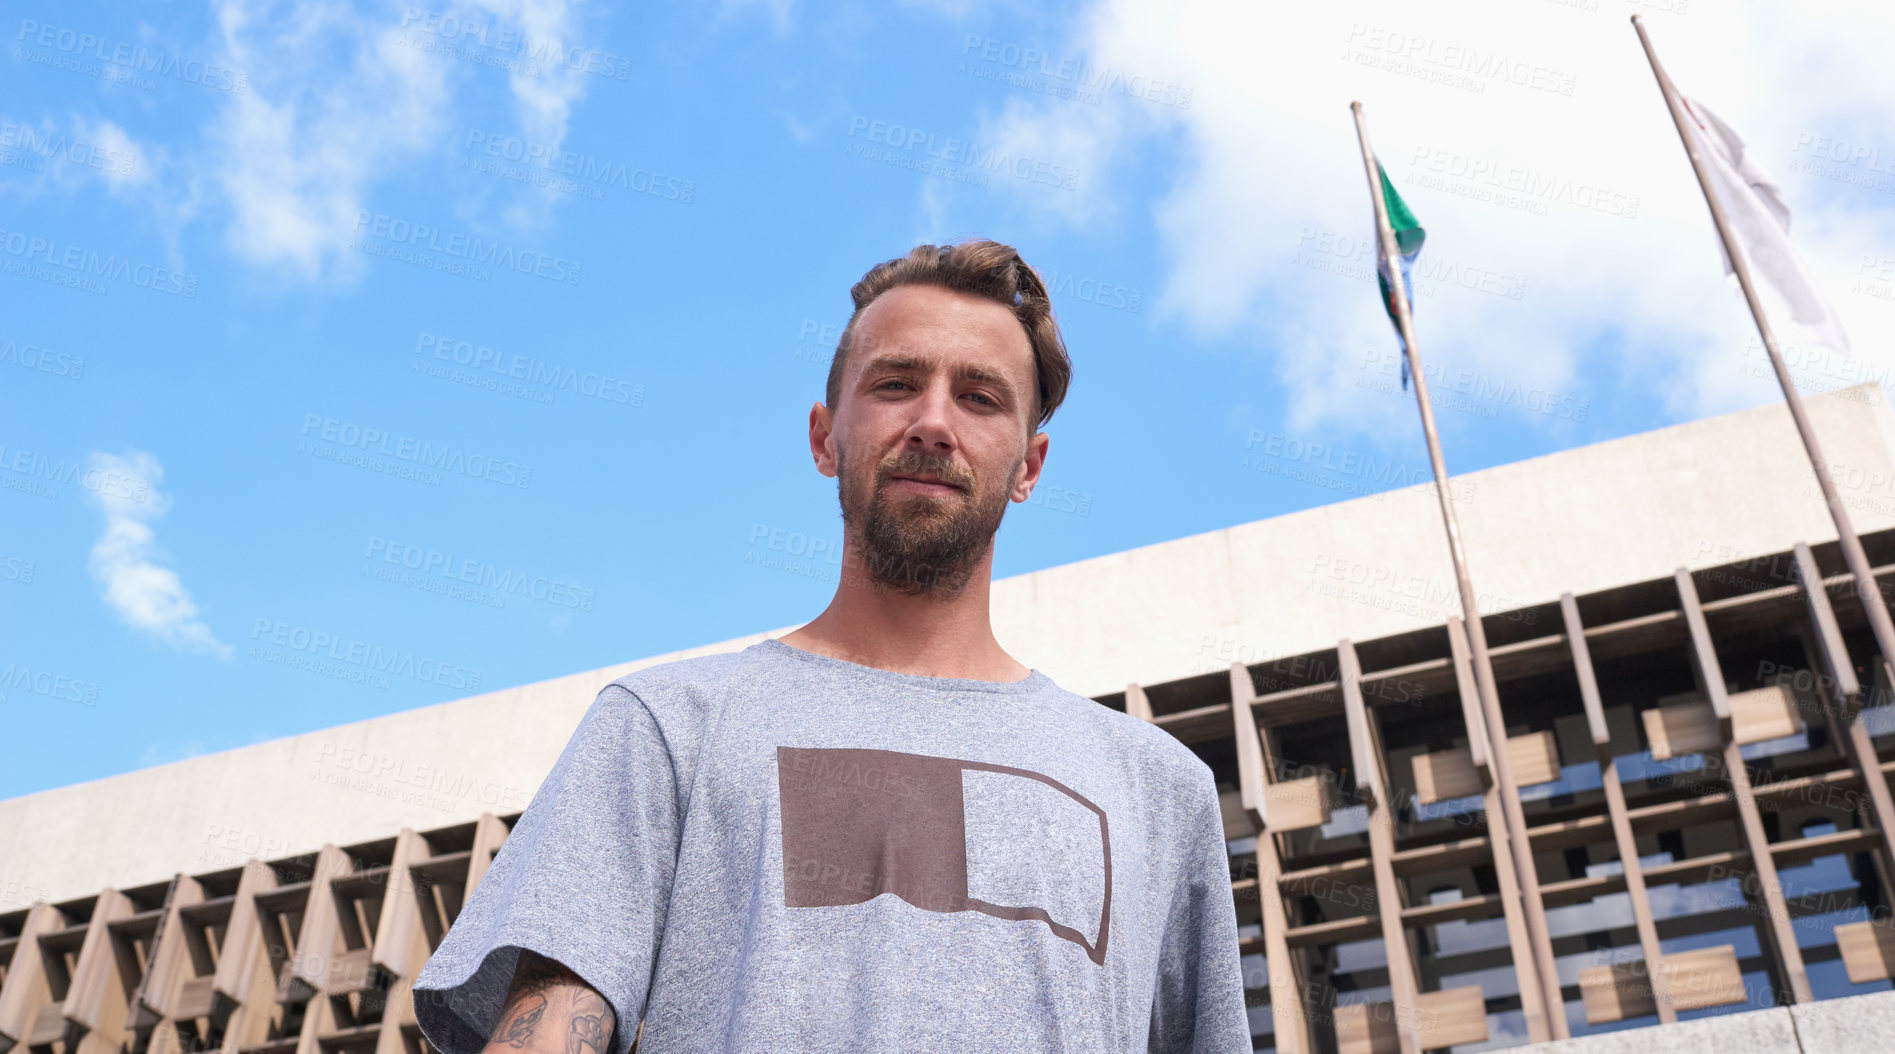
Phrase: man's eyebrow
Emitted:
{"points": [[983, 375], [909, 363]]}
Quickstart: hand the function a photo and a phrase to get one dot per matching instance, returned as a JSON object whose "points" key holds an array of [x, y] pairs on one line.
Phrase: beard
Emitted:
{"points": [[919, 544]]}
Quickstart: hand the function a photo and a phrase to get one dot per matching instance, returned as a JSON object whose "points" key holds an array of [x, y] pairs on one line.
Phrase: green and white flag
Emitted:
{"points": [[1408, 238]]}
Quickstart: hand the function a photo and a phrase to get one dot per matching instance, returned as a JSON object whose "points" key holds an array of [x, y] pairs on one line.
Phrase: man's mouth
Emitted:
{"points": [[924, 485]]}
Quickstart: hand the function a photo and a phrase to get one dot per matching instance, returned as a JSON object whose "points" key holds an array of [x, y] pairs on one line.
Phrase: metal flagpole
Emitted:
{"points": [[1867, 591], [1515, 817]]}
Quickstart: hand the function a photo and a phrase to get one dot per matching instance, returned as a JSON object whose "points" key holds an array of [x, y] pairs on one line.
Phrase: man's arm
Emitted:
{"points": [[549, 1010], [584, 880], [1198, 1007]]}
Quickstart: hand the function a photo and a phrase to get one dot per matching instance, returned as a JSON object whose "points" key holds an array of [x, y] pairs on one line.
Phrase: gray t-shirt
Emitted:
{"points": [[775, 850]]}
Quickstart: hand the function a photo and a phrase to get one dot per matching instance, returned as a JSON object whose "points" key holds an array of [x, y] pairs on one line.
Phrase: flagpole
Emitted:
{"points": [[1547, 976], [1868, 592]]}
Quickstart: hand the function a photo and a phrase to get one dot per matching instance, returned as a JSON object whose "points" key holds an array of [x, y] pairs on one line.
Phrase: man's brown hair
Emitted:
{"points": [[984, 268]]}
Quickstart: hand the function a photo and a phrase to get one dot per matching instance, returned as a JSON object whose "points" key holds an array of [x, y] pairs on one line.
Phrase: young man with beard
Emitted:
{"points": [[880, 832]]}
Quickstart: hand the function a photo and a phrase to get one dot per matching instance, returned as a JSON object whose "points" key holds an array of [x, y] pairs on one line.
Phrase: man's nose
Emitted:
{"points": [[932, 425]]}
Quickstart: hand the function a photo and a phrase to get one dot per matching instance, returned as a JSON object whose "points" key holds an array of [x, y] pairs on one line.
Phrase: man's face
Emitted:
{"points": [[929, 439]]}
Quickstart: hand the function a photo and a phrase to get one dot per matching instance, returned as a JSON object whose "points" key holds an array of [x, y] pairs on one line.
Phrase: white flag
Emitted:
{"points": [[1761, 223]]}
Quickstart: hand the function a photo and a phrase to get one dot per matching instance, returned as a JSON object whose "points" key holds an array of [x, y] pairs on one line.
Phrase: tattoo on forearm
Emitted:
{"points": [[545, 993]]}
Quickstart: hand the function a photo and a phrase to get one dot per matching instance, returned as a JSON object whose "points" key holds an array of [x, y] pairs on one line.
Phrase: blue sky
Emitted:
{"points": [[483, 335]]}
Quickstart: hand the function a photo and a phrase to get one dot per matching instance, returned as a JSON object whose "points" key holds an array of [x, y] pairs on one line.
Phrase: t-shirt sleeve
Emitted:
{"points": [[1198, 1007], [583, 879]]}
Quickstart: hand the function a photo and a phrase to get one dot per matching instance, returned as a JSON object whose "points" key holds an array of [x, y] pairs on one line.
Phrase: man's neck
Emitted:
{"points": [[928, 634]]}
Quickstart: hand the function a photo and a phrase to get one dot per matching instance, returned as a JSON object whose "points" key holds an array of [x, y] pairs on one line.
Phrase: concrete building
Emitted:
{"points": [[1694, 734]]}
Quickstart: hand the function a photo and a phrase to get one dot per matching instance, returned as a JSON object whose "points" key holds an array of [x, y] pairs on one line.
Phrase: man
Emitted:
{"points": [[880, 832]]}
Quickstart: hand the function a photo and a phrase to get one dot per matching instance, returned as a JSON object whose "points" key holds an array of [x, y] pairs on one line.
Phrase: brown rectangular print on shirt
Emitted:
{"points": [[944, 835]]}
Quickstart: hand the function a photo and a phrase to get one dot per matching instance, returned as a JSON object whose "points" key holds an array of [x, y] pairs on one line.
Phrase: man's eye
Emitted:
{"points": [[983, 395]]}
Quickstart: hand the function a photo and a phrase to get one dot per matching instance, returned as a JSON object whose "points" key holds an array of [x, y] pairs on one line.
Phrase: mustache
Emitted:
{"points": [[926, 465]]}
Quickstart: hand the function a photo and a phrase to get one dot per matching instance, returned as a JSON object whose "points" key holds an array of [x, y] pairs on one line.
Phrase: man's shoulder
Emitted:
{"points": [[679, 681], [1160, 753]]}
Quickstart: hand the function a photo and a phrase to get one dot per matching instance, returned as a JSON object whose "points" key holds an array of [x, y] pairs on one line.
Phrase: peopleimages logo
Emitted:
{"points": [[369, 658], [1091, 290], [45, 360], [1485, 179], [40, 468], [963, 152], [464, 247], [543, 52], [65, 148], [49, 684], [82, 267], [1071, 76], [481, 573], [583, 168], [133, 58], [529, 369], [1481, 68], [416, 451]]}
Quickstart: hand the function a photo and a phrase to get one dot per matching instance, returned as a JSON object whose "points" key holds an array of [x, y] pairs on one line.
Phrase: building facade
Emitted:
{"points": [[1670, 816]]}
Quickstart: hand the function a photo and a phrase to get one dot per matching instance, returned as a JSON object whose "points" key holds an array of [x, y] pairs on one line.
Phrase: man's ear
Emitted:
{"points": [[1030, 469], [822, 443]]}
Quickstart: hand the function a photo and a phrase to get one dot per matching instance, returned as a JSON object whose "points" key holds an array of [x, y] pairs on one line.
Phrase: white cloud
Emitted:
{"points": [[782, 13], [87, 150], [125, 164], [931, 223], [334, 100], [1267, 197], [338, 99], [949, 8], [125, 561], [1072, 160], [544, 95], [799, 130]]}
